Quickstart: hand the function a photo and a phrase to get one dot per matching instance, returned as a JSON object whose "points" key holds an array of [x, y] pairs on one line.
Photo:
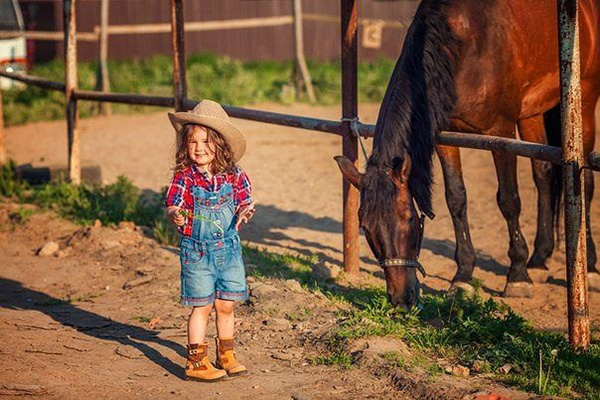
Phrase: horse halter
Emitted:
{"points": [[409, 262]]}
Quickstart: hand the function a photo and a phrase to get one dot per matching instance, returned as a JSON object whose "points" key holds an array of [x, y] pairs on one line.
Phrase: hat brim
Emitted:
{"points": [[233, 136]]}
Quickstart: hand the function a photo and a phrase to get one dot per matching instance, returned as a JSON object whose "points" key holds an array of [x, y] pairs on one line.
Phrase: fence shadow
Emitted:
{"points": [[13, 295], [266, 227], [91, 174]]}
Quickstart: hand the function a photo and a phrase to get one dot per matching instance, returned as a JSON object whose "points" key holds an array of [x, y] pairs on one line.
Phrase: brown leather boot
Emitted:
{"points": [[226, 357], [198, 367]]}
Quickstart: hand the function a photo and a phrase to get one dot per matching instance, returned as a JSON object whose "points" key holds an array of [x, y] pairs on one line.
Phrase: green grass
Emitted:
{"points": [[458, 329], [219, 78], [466, 330], [83, 204], [10, 183], [141, 318]]}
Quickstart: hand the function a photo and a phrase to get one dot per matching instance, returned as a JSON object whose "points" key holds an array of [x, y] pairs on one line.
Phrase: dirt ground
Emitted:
{"points": [[95, 342]]}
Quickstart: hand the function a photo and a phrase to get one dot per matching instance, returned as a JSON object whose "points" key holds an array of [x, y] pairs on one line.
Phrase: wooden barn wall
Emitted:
{"points": [[322, 39]]}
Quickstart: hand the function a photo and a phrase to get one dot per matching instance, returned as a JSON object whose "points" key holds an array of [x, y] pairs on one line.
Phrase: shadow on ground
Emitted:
{"points": [[16, 297]]}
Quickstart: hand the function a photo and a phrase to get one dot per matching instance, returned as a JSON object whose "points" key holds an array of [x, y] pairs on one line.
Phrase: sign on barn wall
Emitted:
{"points": [[372, 32]]}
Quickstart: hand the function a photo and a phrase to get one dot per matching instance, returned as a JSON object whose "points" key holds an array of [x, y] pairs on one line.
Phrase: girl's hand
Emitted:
{"points": [[174, 214], [245, 214]]}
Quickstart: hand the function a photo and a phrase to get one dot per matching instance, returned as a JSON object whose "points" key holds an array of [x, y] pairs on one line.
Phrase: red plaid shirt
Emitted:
{"points": [[179, 194]]}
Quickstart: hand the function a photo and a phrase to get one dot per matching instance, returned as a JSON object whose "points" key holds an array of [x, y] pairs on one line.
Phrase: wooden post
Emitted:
{"points": [[301, 74], [103, 80], [178, 43], [70, 17], [574, 182], [3, 157], [350, 141]]}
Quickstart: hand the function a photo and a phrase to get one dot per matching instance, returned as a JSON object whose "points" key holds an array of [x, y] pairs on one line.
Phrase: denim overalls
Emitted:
{"points": [[211, 259]]}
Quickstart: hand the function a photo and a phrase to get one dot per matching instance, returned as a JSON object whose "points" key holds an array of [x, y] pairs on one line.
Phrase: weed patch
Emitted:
{"points": [[472, 330]]}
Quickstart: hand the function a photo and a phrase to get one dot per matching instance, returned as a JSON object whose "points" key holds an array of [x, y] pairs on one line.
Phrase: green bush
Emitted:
{"points": [[11, 185], [120, 201]]}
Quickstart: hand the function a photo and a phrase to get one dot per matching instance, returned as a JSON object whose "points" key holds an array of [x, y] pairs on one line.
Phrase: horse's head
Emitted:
{"points": [[391, 224]]}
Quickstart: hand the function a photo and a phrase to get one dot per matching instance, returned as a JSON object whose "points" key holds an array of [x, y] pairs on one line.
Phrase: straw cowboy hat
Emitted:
{"points": [[212, 115]]}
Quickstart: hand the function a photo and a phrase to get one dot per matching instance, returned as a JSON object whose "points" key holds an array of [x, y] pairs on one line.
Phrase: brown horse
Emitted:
{"points": [[475, 66]]}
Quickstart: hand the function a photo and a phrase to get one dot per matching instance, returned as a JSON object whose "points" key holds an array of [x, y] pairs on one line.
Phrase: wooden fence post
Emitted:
{"points": [[350, 141], [574, 182], [70, 17], [301, 74], [103, 79], [178, 43]]}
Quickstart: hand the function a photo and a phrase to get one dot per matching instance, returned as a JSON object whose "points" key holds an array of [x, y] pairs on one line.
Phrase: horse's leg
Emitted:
{"points": [[590, 96], [518, 281], [456, 199], [533, 130]]}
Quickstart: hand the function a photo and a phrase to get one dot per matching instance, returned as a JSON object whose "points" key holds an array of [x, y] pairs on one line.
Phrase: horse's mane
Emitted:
{"points": [[417, 104]]}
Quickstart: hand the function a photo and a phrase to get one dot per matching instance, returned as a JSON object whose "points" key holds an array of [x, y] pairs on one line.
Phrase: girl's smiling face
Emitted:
{"points": [[200, 150]]}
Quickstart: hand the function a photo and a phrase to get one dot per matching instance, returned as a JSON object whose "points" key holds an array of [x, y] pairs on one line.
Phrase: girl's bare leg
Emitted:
{"points": [[225, 317], [197, 324]]}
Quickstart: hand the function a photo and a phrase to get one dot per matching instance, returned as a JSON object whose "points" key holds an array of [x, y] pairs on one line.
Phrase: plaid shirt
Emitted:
{"points": [[179, 194]]}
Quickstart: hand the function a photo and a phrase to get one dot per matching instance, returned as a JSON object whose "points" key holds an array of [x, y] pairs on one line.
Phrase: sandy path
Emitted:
{"points": [[299, 190]]}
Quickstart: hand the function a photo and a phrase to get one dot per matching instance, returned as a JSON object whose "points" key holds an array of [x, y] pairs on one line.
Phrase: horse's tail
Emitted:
{"points": [[552, 124]]}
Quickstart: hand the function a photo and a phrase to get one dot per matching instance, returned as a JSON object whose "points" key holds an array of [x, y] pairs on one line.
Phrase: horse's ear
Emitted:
{"points": [[349, 171], [402, 169]]}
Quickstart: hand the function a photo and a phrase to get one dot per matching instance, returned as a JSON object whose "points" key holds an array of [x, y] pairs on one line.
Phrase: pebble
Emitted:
{"points": [[126, 225], [505, 369], [48, 249], [293, 285], [460, 370]]}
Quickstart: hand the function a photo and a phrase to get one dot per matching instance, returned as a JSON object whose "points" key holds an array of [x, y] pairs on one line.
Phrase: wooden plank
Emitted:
{"points": [[49, 35], [200, 26], [361, 21]]}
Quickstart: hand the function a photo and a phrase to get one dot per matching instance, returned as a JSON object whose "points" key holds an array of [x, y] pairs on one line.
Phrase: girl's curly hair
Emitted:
{"points": [[223, 161]]}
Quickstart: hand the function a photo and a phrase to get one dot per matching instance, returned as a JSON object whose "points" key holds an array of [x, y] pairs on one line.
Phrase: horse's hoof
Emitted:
{"points": [[538, 275], [458, 286], [518, 289], [593, 281]]}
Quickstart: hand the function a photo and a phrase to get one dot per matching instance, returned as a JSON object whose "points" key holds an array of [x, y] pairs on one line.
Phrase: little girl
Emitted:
{"points": [[208, 199]]}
